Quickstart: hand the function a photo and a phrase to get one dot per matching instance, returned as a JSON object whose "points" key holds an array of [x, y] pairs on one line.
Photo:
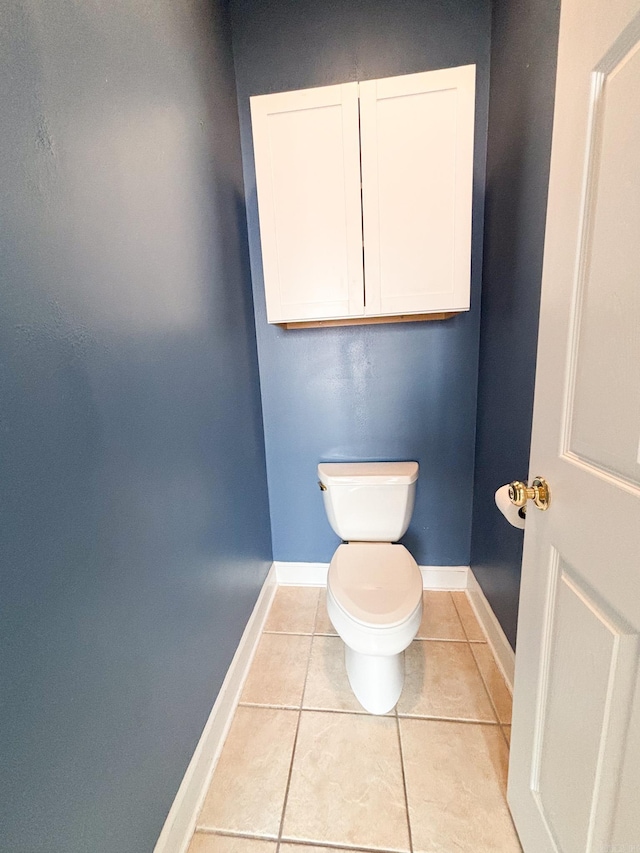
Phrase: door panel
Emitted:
{"points": [[590, 657], [604, 418]]}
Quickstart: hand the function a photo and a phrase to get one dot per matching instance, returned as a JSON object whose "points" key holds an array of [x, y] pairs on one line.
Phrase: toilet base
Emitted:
{"points": [[376, 680]]}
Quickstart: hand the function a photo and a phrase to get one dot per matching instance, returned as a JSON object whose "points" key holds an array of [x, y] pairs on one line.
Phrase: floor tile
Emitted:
{"points": [[346, 783], [327, 685], [468, 618], [346, 788], [248, 787], [206, 843], [278, 671], [442, 680], [440, 620], [494, 681], [456, 781], [293, 610], [323, 623]]}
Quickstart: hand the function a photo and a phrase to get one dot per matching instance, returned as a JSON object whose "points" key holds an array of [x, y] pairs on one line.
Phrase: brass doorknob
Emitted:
{"points": [[538, 492]]}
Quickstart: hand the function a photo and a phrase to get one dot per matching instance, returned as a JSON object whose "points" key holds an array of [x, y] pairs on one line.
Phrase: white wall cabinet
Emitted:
{"points": [[364, 197]]}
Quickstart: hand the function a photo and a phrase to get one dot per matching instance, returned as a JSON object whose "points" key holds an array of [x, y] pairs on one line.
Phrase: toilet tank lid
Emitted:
{"points": [[373, 473]]}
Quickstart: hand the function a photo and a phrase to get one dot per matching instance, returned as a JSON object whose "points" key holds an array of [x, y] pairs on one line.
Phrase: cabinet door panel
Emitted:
{"points": [[308, 177], [417, 172]]}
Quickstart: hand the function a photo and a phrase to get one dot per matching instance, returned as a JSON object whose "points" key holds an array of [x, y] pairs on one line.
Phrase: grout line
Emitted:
{"points": [[315, 615], [362, 713], [227, 833], [485, 640], [291, 633], [440, 640], [460, 619], [456, 720], [415, 639], [404, 784], [452, 601], [286, 791], [295, 743], [486, 688], [314, 708], [337, 846]]}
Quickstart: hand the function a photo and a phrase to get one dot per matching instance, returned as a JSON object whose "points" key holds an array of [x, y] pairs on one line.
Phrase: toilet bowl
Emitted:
{"points": [[374, 587], [374, 601]]}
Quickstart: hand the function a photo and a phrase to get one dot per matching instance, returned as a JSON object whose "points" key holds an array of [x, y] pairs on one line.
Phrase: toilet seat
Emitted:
{"points": [[376, 584]]}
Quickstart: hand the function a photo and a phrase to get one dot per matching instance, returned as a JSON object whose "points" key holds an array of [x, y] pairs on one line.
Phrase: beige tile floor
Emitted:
{"points": [[306, 770]]}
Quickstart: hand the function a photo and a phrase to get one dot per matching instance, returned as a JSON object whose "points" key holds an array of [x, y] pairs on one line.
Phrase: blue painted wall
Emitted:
{"points": [[368, 392], [134, 532], [523, 64]]}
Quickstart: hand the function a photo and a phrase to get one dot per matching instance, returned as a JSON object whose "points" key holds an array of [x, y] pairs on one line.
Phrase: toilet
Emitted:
{"points": [[374, 587]]}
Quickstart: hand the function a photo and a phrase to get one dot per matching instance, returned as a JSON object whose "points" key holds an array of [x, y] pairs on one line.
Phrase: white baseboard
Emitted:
{"points": [[181, 820], [315, 574], [444, 577], [502, 651], [301, 574]]}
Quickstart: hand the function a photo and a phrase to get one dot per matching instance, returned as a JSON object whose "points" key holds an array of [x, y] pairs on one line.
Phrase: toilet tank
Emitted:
{"points": [[368, 501]]}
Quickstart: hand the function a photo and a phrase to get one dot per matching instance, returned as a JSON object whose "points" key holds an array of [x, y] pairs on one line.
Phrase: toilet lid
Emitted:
{"points": [[376, 583]]}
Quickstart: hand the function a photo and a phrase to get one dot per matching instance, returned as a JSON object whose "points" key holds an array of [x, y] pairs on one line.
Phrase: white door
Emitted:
{"points": [[416, 137], [307, 152], [574, 784]]}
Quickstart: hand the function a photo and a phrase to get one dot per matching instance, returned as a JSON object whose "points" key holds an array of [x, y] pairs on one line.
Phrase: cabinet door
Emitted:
{"points": [[307, 155], [417, 172]]}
